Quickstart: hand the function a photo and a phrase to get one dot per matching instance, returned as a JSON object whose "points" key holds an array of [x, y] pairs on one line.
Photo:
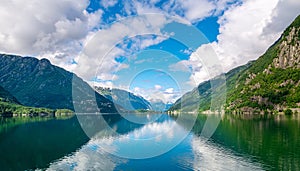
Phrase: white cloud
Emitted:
{"points": [[152, 41], [100, 49], [144, 8], [223, 5], [203, 64], [158, 87], [108, 3], [197, 10], [191, 10], [51, 28], [132, 45], [107, 84], [184, 65], [157, 93], [247, 30], [245, 34], [284, 13], [187, 51], [169, 90], [107, 76], [241, 30]]}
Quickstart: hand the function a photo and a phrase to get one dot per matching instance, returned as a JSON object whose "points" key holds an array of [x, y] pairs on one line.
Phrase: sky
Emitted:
{"points": [[158, 49]]}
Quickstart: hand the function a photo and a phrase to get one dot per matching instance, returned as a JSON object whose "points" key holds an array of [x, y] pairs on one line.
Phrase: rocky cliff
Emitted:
{"points": [[269, 84]]}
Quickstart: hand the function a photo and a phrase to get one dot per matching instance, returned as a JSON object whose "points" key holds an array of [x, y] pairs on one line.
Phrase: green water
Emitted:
{"points": [[239, 143], [29, 143], [274, 142]]}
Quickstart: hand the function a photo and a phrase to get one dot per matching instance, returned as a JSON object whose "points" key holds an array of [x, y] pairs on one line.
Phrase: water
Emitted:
{"points": [[239, 143]]}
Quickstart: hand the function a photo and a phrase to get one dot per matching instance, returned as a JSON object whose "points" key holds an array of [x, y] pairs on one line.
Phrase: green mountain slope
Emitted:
{"points": [[271, 83], [5, 96], [203, 93], [127, 100], [10, 106], [38, 83]]}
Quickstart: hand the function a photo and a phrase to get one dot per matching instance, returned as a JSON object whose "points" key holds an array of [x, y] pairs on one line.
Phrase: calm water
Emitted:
{"points": [[239, 143]]}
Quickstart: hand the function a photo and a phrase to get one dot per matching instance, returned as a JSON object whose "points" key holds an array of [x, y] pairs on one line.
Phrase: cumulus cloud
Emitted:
{"points": [[191, 10], [105, 45], [184, 65], [203, 64], [49, 28], [158, 93], [157, 87], [284, 13], [246, 31], [108, 3], [107, 84], [169, 90], [187, 51], [241, 32], [197, 10]]}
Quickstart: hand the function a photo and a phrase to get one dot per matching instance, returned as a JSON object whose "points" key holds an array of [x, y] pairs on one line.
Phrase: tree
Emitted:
{"points": [[288, 112]]}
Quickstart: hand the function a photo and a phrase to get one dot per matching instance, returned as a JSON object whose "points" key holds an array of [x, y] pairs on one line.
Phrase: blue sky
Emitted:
{"points": [[149, 67], [209, 26], [158, 49], [149, 72]]}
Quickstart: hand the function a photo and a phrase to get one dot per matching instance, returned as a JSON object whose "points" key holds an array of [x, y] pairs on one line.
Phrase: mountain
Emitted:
{"points": [[5, 96], [159, 105], [126, 99], [272, 82], [200, 97], [38, 83], [269, 84], [10, 106]]}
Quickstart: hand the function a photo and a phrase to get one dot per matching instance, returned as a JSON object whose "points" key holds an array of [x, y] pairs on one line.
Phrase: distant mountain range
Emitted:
{"points": [[159, 105], [126, 99], [130, 101], [269, 84]]}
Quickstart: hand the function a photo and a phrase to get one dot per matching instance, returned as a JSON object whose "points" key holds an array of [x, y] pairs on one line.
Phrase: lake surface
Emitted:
{"points": [[240, 142]]}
